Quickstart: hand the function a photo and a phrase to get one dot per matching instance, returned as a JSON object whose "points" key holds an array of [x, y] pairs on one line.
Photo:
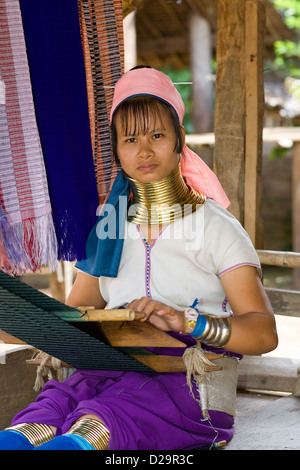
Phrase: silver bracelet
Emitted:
{"points": [[217, 331]]}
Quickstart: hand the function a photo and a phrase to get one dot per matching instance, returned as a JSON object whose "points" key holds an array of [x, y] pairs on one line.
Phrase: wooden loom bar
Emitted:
{"points": [[155, 362]]}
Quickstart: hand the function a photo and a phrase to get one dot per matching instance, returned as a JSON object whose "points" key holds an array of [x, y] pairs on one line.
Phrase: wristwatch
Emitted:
{"points": [[191, 314]]}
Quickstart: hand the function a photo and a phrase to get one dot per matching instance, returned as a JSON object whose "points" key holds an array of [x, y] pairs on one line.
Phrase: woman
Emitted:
{"points": [[185, 262]]}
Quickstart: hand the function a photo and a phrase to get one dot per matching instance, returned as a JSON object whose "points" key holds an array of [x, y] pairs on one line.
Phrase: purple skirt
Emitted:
{"points": [[143, 411]]}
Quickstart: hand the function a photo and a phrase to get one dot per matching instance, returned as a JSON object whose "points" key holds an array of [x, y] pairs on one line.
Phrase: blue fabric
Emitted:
{"points": [[56, 63], [13, 440], [105, 242], [66, 442]]}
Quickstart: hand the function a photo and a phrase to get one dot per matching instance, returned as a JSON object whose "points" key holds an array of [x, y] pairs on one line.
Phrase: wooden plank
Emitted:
{"points": [[268, 373], [284, 302], [9, 339], [254, 102], [122, 334], [270, 134], [270, 423], [200, 139], [139, 334], [170, 363], [274, 134]]}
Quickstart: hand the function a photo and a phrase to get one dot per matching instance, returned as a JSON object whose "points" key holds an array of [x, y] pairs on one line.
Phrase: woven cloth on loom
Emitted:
{"points": [[103, 47], [33, 317], [26, 226], [55, 55]]}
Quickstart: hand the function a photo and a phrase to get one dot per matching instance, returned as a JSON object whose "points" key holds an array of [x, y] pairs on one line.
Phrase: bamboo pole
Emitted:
{"points": [[287, 259], [118, 314]]}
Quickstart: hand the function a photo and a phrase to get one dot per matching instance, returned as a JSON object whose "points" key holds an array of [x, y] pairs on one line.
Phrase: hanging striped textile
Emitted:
{"points": [[103, 48], [27, 235]]}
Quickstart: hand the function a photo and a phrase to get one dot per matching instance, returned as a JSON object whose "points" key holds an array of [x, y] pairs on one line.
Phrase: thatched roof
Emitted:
{"points": [[162, 28]]}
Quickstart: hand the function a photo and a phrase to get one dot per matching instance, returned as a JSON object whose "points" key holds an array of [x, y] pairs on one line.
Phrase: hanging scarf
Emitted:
{"points": [[54, 48], [27, 236], [104, 251], [139, 82], [103, 48]]}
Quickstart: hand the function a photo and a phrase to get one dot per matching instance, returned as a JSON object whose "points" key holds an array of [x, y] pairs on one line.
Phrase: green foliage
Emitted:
{"points": [[290, 9], [278, 152], [287, 53], [185, 90]]}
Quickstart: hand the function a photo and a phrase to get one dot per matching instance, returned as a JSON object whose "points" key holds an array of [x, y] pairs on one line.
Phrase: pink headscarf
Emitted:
{"points": [[151, 82]]}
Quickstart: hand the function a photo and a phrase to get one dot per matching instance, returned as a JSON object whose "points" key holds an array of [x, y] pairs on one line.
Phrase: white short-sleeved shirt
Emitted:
{"points": [[184, 262]]}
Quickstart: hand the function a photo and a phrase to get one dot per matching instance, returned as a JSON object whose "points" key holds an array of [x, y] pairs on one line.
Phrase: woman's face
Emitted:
{"points": [[147, 156]]}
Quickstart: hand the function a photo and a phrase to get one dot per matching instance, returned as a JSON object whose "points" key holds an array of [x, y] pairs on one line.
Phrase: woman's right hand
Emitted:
{"points": [[162, 316]]}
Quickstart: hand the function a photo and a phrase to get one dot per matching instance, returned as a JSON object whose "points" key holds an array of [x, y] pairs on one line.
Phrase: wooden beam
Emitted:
{"points": [[284, 302], [162, 45], [172, 16], [268, 373], [254, 102], [296, 207], [270, 134], [275, 134]]}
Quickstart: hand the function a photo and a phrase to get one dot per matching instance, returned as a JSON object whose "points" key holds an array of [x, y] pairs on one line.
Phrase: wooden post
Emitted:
{"points": [[230, 103], [239, 109], [296, 207], [130, 41], [200, 59], [254, 87]]}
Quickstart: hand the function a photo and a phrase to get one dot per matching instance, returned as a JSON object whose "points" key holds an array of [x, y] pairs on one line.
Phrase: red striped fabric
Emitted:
{"points": [[103, 47], [27, 230]]}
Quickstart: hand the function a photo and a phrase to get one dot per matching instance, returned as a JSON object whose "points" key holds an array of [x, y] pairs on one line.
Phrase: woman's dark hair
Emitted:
{"points": [[136, 114]]}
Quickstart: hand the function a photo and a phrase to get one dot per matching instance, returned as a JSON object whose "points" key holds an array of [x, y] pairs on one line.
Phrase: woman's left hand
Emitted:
{"points": [[162, 316]]}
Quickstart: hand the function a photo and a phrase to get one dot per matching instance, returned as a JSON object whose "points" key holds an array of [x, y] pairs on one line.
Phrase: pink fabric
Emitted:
{"points": [[145, 81]]}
